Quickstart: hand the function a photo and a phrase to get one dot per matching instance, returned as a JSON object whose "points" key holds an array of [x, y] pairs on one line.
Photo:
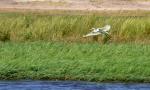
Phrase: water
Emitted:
{"points": [[69, 85]]}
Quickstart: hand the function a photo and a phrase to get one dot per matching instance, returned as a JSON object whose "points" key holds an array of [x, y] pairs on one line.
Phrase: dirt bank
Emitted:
{"points": [[76, 5]]}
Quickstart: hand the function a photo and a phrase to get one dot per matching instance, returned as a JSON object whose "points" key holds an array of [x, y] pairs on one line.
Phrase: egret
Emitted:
{"points": [[97, 31]]}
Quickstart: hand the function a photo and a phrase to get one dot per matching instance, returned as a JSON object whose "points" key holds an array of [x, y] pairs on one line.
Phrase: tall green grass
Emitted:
{"points": [[70, 28], [75, 61]]}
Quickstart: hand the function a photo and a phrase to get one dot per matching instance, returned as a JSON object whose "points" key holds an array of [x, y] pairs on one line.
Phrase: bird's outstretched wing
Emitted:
{"points": [[106, 28], [92, 34]]}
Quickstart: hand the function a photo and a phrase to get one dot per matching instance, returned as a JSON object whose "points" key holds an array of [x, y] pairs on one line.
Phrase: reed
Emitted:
{"points": [[71, 28]]}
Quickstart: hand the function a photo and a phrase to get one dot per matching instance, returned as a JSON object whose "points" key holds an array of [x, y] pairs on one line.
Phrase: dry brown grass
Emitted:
{"points": [[71, 28]]}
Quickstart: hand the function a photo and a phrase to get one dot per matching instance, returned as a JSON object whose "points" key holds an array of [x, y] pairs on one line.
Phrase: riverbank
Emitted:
{"points": [[50, 46], [75, 61]]}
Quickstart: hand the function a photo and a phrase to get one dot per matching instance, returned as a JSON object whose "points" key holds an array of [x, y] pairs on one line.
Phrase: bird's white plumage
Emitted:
{"points": [[98, 31], [95, 30], [106, 28]]}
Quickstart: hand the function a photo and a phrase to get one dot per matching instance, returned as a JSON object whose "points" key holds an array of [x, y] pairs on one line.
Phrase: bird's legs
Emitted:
{"points": [[106, 38]]}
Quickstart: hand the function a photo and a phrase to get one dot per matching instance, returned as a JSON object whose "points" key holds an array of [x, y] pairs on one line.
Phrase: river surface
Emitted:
{"points": [[69, 85]]}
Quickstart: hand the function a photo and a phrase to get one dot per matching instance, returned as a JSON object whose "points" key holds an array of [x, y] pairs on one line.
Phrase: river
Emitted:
{"points": [[70, 85]]}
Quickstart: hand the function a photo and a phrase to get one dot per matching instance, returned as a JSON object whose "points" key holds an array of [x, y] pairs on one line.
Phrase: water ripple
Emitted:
{"points": [[69, 85]]}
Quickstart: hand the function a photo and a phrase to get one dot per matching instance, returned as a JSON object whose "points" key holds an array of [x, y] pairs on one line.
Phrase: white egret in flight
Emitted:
{"points": [[97, 31]]}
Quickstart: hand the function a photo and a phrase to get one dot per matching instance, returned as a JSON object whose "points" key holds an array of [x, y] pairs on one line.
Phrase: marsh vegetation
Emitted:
{"points": [[71, 28], [75, 61], [51, 47]]}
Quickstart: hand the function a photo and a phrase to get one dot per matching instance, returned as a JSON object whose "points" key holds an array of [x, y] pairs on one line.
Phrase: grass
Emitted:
{"points": [[51, 47], [75, 61], [70, 28], [78, 12]]}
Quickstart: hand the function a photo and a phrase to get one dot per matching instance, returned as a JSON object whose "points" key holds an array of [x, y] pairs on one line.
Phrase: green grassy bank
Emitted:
{"points": [[75, 61], [32, 27], [49, 46]]}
